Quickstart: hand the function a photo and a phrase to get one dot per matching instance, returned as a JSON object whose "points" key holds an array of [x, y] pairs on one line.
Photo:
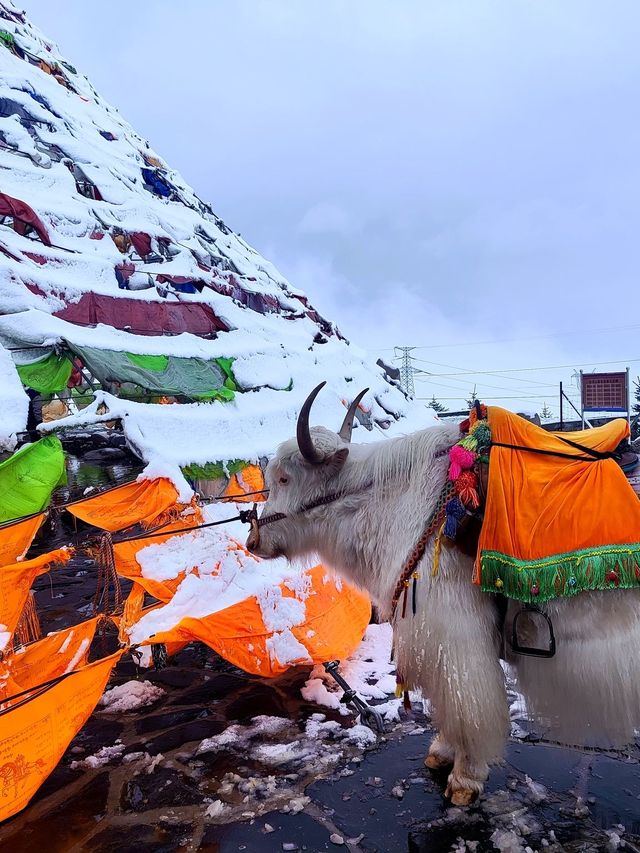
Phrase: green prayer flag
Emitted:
{"points": [[29, 476], [47, 375]]}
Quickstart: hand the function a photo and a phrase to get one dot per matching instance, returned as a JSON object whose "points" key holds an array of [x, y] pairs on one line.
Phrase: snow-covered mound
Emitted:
{"points": [[108, 257]]}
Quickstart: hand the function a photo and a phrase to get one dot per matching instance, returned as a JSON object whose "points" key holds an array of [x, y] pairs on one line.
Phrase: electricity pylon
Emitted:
{"points": [[407, 370]]}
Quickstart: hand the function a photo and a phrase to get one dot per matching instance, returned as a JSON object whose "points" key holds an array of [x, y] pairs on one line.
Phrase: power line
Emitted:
{"points": [[513, 397], [525, 369], [519, 340]]}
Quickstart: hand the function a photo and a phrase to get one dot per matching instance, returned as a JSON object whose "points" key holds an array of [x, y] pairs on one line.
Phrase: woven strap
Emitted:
{"points": [[434, 522]]}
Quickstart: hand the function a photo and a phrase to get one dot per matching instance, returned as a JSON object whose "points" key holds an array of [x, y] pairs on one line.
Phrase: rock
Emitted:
{"points": [[163, 787], [336, 839]]}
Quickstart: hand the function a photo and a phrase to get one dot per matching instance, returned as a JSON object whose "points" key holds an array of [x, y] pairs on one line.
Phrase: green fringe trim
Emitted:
{"points": [[531, 581]]}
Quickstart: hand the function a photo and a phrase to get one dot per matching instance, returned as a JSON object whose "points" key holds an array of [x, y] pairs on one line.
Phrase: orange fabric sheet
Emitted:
{"points": [[15, 583], [250, 479], [336, 620], [545, 507], [128, 567], [133, 503], [36, 732], [47, 658], [16, 538]]}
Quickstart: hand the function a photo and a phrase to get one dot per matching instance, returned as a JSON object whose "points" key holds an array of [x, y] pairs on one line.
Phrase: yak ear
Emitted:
{"points": [[336, 460]]}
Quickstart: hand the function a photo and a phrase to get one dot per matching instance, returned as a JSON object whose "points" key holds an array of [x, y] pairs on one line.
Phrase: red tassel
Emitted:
{"points": [[467, 489]]}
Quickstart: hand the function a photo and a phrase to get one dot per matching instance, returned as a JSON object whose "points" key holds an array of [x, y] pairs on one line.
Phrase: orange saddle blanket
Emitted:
{"points": [[557, 522]]}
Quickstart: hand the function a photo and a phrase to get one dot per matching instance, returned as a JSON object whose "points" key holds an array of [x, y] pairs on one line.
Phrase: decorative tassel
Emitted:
{"points": [[28, 628], [482, 435], [469, 443], [168, 516], [107, 577], [415, 577], [400, 687], [406, 701], [467, 489], [404, 599], [461, 459], [436, 551], [455, 513]]}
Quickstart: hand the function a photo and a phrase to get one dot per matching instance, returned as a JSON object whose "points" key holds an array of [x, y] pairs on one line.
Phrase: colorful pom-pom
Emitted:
{"points": [[460, 459], [535, 588], [499, 583], [613, 577]]}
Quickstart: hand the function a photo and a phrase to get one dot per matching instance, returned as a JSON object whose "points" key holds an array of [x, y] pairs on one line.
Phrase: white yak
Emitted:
{"points": [[381, 496]]}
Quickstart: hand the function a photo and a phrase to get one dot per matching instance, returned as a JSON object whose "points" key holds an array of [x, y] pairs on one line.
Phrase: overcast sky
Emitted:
{"points": [[434, 174]]}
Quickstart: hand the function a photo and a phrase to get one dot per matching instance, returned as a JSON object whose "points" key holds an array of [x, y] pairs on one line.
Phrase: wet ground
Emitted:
{"points": [[220, 761]]}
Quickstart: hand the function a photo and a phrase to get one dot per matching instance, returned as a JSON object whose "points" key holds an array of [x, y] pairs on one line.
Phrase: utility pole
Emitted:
{"points": [[406, 370], [561, 412]]}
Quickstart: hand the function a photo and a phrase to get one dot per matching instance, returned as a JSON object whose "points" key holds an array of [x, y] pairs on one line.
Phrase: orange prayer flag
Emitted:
{"points": [[250, 479], [123, 506], [336, 618], [16, 537], [37, 731], [15, 583], [48, 658]]}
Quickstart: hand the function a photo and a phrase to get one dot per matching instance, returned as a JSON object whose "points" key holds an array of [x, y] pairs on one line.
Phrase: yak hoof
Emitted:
{"points": [[437, 762], [462, 796]]}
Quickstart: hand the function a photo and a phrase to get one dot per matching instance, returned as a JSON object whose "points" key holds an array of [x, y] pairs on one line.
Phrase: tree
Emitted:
{"points": [[546, 412], [636, 406], [436, 405], [472, 398]]}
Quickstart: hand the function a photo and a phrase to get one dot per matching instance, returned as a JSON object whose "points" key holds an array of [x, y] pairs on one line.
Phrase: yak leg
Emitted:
{"points": [[466, 780], [448, 650], [441, 755]]}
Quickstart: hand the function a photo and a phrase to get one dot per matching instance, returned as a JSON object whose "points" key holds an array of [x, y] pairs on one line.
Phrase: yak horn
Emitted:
{"points": [[305, 444], [347, 423]]}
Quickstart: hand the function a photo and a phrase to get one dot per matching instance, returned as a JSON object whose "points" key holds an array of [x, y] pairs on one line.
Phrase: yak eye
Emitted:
{"points": [[284, 480]]}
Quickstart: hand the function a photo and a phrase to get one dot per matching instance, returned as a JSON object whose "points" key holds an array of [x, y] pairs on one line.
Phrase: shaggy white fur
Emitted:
{"points": [[450, 648]]}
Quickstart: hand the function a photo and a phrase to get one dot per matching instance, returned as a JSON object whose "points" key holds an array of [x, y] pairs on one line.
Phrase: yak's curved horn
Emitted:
{"points": [[347, 423], [305, 444]]}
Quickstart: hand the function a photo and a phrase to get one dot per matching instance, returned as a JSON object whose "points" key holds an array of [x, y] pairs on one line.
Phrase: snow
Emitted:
{"points": [[369, 670], [5, 636], [81, 650], [103, 756], [282, 354], [130, 696], [215, 809], [279, 356], [219, 574], [14, 403]]}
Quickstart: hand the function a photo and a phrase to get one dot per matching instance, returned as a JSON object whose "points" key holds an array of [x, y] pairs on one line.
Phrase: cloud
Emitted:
{"points": [[430, 173], [326, 218]]}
